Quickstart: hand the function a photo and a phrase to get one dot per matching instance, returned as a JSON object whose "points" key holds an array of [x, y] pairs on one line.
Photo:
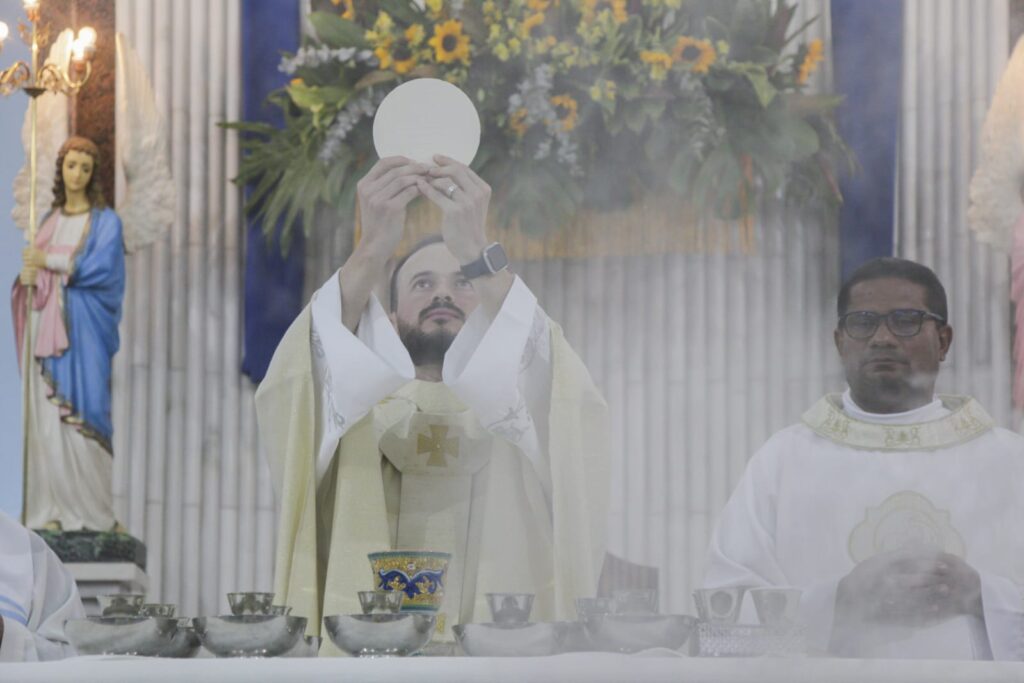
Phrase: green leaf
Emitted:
{"points": [[336, 32], [375, 78], [758, 79], [403, 10]]}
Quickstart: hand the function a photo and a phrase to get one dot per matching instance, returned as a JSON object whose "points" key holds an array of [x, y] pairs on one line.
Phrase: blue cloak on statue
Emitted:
{"points": [[91, 300]]}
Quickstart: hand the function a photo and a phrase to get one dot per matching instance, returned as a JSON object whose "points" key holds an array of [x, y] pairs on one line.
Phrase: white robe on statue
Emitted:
{"points": [[37, 596], [502, 464], [69, 477], [843, 485]]}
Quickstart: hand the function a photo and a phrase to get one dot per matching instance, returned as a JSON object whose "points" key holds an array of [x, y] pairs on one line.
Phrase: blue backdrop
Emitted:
{"points": [[273, 284], [867, 44]]}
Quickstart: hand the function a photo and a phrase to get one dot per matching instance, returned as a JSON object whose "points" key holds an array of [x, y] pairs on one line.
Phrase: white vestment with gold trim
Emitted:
{"points": [[844, 485], [503, 464]]}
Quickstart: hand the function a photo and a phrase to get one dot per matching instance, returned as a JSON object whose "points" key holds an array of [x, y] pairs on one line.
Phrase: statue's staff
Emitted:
{"points": [[66, 75]]}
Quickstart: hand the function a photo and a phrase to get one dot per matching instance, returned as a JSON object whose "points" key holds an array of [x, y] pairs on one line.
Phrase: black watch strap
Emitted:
{"points": [[492, 259]]}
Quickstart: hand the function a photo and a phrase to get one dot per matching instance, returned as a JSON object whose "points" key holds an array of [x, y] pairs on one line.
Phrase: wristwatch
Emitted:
{"points": [[492, 259]]}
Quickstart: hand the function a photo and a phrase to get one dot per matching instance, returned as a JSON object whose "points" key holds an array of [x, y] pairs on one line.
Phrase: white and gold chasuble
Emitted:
{"points": [[844, 485], [503, 464]]}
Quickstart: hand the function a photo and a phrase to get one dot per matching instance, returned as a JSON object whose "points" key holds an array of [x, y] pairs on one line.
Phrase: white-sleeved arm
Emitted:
{"points": [[60, 263], [501, 369], [352, 372], [54, 601], [743, 547]]}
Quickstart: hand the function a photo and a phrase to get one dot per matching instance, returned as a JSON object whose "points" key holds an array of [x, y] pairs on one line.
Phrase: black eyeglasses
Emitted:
{"points": [[902, 322]]}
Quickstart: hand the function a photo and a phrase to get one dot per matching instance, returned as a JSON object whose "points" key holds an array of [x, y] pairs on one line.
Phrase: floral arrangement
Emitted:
{"points": [[585, 105]]}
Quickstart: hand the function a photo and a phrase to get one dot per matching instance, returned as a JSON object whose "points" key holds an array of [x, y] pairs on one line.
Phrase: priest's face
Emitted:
{"points": [[888, 373], [433, 301]]}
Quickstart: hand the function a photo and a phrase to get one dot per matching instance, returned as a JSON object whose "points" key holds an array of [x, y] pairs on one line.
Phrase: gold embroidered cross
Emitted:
{"points": [[437, 445]]}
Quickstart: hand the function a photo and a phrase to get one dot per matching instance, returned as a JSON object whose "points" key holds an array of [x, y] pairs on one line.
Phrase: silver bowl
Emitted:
{"points": [[308, 646], [520, 640], [380, 635], [251, 635], [632, 633], [184, 644], [144, 636]]}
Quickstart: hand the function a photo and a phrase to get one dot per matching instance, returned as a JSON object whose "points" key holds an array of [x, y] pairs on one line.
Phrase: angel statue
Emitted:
{"points": [[75, 272], [996, 211]]}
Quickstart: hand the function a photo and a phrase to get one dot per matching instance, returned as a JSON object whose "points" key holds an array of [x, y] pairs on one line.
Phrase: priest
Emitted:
{"points": [[37, 597], [895, 510], [459, 420]]}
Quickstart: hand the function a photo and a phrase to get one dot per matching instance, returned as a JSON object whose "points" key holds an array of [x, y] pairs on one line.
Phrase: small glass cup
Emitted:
{"points": [[777, 607], [593, 607], [121, 604], [719, 605], [508, 609], [247, 604], [634, 601], [381, 602], [157, 609]]}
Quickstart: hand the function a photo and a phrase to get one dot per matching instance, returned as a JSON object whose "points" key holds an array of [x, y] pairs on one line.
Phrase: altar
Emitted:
{"points": [[649, 667]]}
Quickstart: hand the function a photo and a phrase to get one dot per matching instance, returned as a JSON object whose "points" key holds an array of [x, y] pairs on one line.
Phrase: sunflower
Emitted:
{"points": [[414, 34], [619, 12], [659, 62], [529, 23], [450, 43], [517, 121], [405, 58], [383, 53], [695, 55], [815, 54], [568, 110], [435, 7], [350, 8]]}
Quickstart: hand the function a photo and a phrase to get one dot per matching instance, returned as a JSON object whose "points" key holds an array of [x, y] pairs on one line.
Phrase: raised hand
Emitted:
{"points": [[384, 194], [463, 198], [31, 256], [27, 277]]}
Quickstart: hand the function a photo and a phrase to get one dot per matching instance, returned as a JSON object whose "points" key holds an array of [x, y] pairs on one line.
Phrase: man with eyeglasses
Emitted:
{"points": [[897, 512]]}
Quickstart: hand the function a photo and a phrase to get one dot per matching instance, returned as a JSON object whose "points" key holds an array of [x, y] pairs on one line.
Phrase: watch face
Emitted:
{"points": [[496, 257]]}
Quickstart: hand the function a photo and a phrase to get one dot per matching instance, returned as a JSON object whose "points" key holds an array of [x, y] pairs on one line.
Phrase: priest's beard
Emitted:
{"points": [[425, 348]]}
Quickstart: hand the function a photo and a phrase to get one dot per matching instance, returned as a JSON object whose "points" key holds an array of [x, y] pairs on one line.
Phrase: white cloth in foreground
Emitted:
{"points": [[37, 596], [843, 485]]}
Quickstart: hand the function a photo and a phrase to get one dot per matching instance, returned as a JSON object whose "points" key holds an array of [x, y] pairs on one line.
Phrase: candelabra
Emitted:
{"points": [[67, 77]]}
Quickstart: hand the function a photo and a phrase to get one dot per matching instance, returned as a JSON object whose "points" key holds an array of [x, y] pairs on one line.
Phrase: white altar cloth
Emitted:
{"points": [[582, 667]]}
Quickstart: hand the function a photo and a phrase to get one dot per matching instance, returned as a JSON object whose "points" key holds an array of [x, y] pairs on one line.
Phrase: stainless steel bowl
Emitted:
{"points": [[520, 640], [380, 635], [308, 646], [253, 635], [632, 633], [184, 644], [144, 636]]}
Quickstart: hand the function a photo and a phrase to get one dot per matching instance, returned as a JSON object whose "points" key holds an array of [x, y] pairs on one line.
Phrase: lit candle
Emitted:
{"points": [[4, 32], [87, 35], [78, 51]]}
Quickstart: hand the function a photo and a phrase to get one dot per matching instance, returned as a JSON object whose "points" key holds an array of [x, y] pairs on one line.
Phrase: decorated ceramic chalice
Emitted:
{"points": [[418, 574]]}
